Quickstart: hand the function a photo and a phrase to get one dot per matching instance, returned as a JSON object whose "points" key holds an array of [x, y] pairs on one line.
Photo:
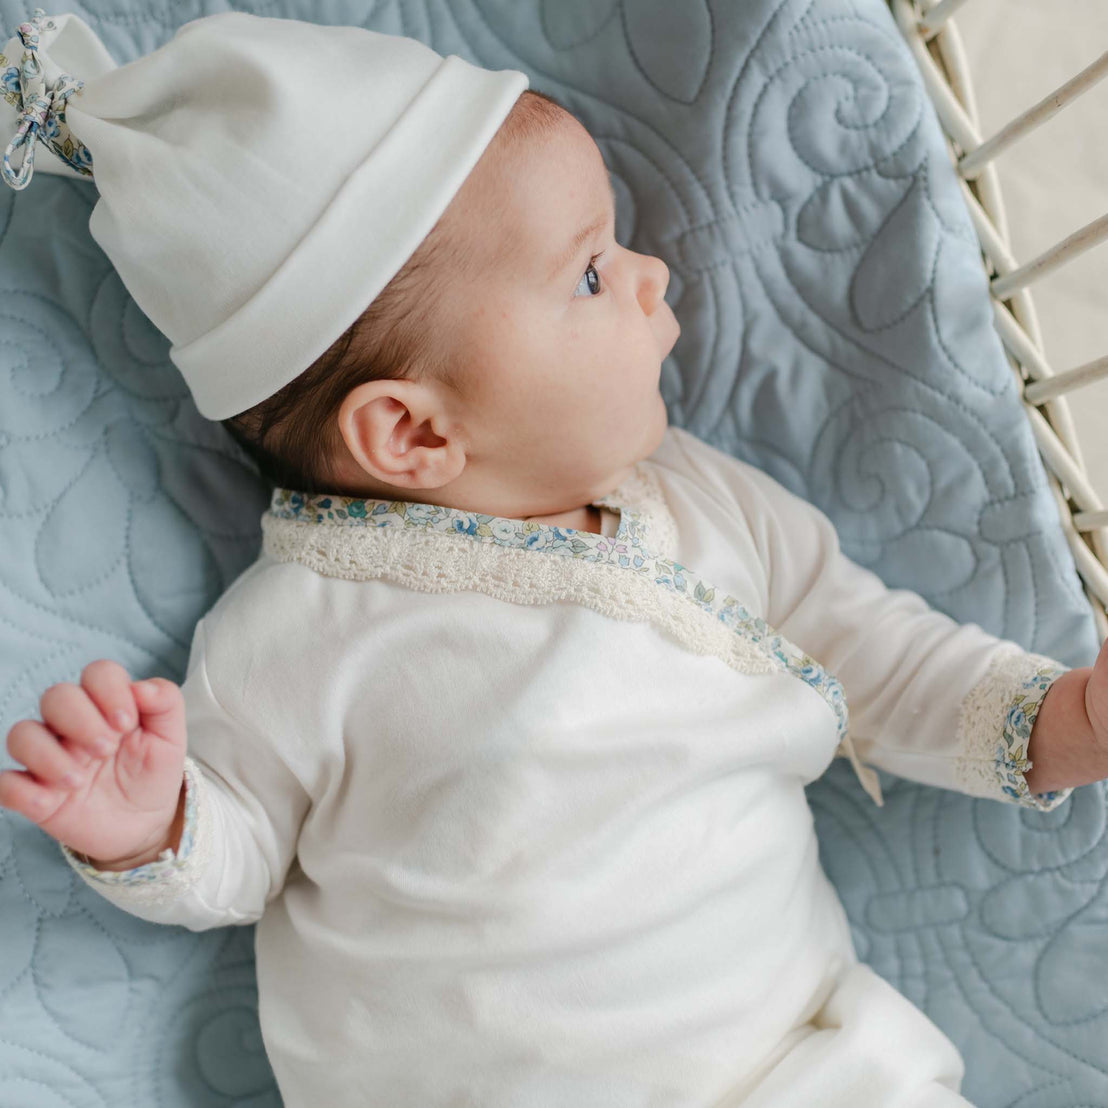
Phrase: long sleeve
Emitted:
{"points": [[243, 811], [929, 699]]}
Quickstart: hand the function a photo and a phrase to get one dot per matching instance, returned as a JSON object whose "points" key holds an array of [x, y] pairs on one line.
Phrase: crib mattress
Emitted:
{"points": [[783, 159]]}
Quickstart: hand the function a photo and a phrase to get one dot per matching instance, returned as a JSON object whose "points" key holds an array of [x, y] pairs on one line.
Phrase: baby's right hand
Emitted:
{"points": [[115, 802]]}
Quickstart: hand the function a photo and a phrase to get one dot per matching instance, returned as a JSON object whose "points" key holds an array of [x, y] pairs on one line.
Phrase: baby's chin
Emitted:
{"points": [[663, 424], [653, 436]]}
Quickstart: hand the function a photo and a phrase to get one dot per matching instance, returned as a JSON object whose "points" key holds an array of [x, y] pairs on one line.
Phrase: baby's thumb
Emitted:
{"points": [[161, 708]]}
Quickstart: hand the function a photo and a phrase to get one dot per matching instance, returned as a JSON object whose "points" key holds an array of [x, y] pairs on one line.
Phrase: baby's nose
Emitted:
{"points": [[653, 282]]}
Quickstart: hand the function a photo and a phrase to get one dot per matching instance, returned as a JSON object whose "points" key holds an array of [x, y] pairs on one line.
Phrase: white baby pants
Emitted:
{"points": [[868, 1046]]}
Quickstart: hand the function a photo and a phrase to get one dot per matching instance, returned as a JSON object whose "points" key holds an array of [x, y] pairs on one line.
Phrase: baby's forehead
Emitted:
{"points": [[538, 190]]}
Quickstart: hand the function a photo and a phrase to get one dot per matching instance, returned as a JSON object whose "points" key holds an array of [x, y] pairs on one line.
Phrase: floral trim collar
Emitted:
{"points": [[627, 550]]}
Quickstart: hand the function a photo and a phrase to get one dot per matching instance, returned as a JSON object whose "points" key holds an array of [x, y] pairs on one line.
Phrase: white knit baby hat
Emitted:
{"points": [[260, 180]]}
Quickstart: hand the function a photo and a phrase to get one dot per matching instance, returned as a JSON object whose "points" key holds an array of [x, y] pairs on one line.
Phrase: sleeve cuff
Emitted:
{"points": [[168, 863], [995, 722]]}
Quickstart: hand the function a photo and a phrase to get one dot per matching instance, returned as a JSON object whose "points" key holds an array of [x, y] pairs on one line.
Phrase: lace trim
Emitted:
{"points": [[994, 728], [164, 880], [642, 490], [649, 519], [430, 562], [437, 549]]}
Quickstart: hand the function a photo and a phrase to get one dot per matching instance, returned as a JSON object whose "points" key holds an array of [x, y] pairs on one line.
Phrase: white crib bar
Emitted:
{"points": [[1059, 462], [932, 37], [1095, 575], [1022, 348], [1019, 344], [953, 116], [1038, 392], [971, 163], [987, 233], [932, 20], [1077, 243], [1090, 521]]}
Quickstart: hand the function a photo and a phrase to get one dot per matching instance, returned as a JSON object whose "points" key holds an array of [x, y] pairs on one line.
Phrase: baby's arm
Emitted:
{"points": [[230, 836], [929, 699]]}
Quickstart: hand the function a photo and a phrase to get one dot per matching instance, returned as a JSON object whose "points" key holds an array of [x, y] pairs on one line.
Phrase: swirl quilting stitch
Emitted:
{"points": [[910, 437]]}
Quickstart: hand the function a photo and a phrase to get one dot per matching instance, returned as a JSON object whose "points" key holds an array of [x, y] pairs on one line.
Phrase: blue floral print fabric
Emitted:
{"points": [[625, 550]]}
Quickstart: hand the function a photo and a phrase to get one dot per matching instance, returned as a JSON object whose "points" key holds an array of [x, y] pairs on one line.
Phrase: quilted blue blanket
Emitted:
{"points": [[783, 159]]}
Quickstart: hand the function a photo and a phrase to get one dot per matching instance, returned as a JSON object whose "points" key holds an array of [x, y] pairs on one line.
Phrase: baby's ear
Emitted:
{"points": [[398, 433]]}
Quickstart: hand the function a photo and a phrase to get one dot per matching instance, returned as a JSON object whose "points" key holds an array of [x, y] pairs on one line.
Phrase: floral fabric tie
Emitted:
{"points": [[42, 109]]}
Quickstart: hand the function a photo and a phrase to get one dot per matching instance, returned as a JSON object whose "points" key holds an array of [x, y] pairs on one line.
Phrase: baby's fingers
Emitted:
{"points": [[161, 705], [68, 712], [32, 744], [21, 793], [108, 685]]}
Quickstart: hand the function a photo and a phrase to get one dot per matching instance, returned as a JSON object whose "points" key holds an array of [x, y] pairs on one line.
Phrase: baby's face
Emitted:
{"points": [[557, 332]]}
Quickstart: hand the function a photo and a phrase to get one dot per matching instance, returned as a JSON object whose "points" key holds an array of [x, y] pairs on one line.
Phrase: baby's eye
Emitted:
{"points": [[593, 283]]}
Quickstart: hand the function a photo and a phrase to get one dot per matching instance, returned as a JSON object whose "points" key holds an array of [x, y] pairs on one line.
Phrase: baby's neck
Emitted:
{"points": [[580, 519]]}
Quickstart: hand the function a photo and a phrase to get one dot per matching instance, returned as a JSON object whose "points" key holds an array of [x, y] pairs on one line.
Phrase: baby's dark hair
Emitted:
{"points": [[293, 436]]}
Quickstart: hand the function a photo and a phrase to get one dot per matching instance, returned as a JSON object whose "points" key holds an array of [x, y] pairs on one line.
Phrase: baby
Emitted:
{"points": [[502, 741]]}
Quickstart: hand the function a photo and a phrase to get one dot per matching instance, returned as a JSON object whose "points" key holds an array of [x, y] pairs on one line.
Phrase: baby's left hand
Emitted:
{"points": [[1096, 701], [1069, 742]]}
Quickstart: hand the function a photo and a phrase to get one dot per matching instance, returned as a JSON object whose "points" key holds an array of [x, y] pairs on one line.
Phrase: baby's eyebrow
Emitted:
{"points": [[581, 238]]}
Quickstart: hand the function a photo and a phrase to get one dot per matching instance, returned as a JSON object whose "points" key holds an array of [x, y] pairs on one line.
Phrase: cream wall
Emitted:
{"points": [[1056, 179]]}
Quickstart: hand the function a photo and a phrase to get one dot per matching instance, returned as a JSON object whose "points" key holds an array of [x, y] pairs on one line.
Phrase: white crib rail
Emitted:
{"points": [[934, 40]]}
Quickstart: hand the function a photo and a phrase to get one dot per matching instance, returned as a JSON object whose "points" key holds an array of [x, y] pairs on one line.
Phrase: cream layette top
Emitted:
{"points": [[519, 810]]}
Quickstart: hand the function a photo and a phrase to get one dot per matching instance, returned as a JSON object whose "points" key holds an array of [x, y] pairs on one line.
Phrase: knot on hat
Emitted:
{"points": [[42, 109]]}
